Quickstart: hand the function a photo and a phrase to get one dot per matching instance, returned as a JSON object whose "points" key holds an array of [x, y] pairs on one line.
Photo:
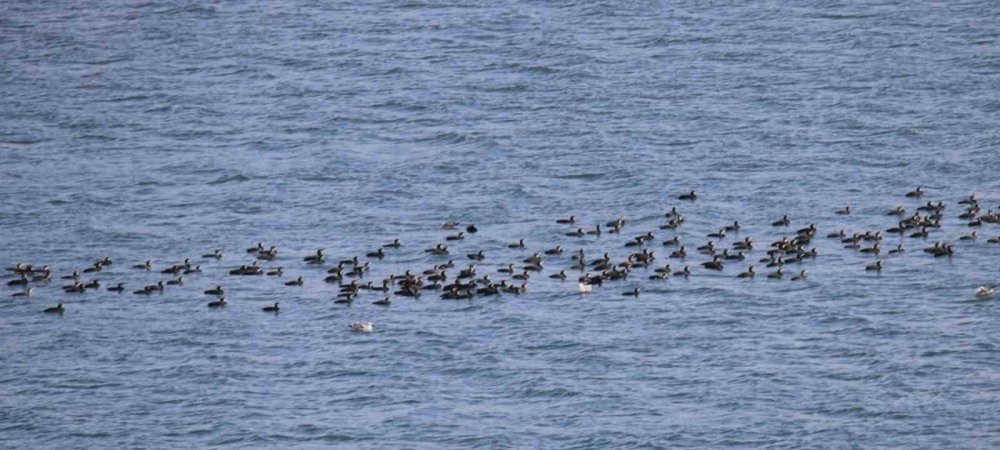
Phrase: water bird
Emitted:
{"points": [[58, 309], [296, 282], [272, 308], [518, 244], [216, 254], [915, 193], [318, 258], [451, 224], [394, 244], [364, 327], [384, 302], [216, 291], [218, 303], [689, 196], [148, 265], [750, 273], [845, 211], [571, 220], [25, 293], [632, 293], [876, 266], [783, 222], [801, 276], [120, 287], [987, 291], [276, 272], [971, 200]]}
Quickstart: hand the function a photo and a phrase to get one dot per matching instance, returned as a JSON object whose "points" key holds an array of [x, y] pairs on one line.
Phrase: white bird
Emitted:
{"points": [[365, 327], [987, 291], [585, 288]]}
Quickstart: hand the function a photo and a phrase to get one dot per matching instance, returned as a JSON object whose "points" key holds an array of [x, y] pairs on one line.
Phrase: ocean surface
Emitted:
{"points": [[163, 130]]}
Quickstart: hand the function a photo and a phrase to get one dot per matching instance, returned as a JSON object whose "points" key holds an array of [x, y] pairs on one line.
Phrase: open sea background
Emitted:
{"points": [[163, 130]]}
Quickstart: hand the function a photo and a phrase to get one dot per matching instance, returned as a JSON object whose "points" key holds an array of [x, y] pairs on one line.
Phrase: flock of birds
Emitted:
{"points": [[459, 282]]}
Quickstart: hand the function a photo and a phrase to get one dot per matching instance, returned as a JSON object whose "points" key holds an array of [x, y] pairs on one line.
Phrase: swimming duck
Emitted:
{"points": [[897, 211], [801, 276], [178, 282], [271, 309], [190, 270], [471, 229], [318, 258], [148, 265], [578, 233], [876, 266], [218, 303], [679, 253], [689, 196], [58, 309], [783, 222], [684, 273], [987, 291], [94, 268], [120, 287], [216, 254], [846, 211], [377, 254], [456, 237], [25, 293], [969, 201], [364, 327], [745, 244], [478, 256], [571, 220], [394, 244], [555, 251], [23, 281], [518, 244], [451, 224], [915, 193], [676, 240], [714, 264], [277, 272], [776, 275], [875, 249], [384, 302], [595, 232], [216, 291], [632, 293], [559, 276], [750, 273], [719, 234], [268, 255], [899, 249], [74, 276], [970, 237], [439, 249], [296, 282]]}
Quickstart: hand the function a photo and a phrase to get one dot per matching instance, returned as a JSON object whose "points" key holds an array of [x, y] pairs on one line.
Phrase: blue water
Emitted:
{"points": [[159, 130]]}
